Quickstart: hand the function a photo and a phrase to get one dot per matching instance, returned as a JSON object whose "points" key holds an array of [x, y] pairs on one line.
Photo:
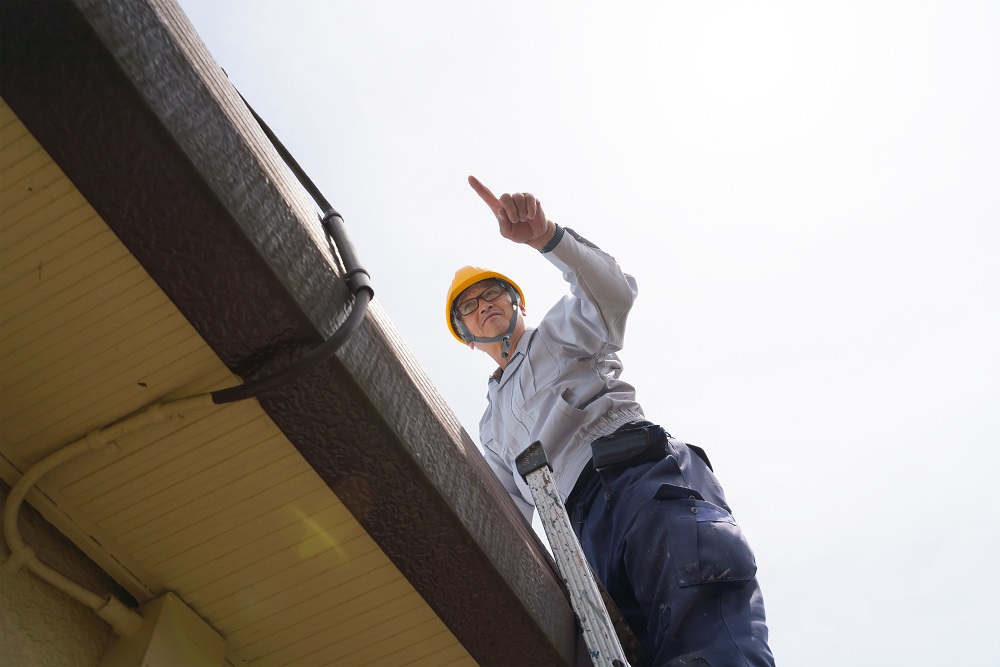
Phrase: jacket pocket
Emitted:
{"points": [[706, 544], [561, 425]]}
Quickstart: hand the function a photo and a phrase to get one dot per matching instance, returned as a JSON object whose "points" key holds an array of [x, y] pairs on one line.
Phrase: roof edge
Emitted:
{"points": [[196, 194]]}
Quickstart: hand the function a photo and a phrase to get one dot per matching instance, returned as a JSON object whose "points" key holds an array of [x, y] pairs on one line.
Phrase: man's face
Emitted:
{"points": [[488, 318]]}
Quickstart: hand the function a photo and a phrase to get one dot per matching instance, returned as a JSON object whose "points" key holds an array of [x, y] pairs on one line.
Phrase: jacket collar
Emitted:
{"points": [[502, 375]]}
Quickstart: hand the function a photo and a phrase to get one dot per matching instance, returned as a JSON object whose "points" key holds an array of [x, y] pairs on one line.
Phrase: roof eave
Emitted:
{"points": [[132, 107]]}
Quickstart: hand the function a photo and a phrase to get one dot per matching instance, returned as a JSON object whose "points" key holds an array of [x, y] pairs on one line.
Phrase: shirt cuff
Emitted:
{"points": [[554, 241], [568, 255]]}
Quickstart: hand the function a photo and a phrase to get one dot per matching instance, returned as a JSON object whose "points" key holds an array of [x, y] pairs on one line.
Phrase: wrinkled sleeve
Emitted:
{"points": [[593, 319]]}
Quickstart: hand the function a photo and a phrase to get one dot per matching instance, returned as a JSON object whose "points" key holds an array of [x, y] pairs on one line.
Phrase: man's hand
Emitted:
{"points": [[520, 216]]}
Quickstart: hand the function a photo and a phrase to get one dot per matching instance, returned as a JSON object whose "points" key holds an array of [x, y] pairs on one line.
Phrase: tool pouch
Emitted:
{"points": [[629, 446]]}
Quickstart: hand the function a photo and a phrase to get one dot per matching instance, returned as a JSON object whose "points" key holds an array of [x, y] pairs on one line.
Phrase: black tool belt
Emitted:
{"points": [[630, 445]]}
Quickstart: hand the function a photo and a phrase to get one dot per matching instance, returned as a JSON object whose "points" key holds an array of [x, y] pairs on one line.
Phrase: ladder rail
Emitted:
{"points": [[585, 597]]}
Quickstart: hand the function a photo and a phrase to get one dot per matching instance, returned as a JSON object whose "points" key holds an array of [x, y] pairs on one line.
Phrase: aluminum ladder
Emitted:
{"points": [[584, 595]]}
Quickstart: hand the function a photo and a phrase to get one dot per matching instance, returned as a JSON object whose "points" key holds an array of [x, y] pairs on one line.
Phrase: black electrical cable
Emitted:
{"points": [[357, 278]]}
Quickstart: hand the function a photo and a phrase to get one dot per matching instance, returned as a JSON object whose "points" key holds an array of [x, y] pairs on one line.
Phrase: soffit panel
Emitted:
{"points": [[134, 109], [217, 506]]}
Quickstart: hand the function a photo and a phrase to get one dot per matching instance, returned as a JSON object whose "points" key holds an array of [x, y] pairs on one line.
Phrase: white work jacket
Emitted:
{"points": [[561, 384]]}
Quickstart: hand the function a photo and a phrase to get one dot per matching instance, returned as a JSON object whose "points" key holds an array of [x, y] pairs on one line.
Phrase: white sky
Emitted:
{"points": [[807, 195]]}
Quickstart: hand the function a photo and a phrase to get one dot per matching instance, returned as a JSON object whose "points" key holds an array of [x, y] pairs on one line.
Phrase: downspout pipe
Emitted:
{"points": [[358, 282]]}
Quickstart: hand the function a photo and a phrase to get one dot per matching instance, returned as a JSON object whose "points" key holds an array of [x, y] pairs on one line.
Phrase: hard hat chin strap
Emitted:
{"points": [[505, 352], [515, 301]]}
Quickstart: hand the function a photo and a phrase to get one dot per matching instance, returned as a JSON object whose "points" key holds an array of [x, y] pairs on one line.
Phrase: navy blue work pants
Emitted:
{"points": [[662, 540]]}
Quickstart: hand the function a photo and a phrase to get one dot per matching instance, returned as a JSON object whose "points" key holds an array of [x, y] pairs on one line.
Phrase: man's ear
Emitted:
{"points": [[524, 311], [471, 345]]}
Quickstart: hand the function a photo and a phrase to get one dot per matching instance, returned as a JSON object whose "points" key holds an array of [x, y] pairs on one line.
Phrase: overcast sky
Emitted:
{"points": [[807, 195]]}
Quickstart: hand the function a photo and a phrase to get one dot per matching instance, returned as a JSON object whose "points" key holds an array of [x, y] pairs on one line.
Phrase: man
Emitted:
{"points": [[647, 508]]}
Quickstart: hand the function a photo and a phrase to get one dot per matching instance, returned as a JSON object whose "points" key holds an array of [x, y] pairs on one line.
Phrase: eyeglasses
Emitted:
{"points": [[491, 293]]}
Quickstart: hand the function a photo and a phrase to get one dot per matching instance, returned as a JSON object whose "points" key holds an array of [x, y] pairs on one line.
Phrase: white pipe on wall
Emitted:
{"points": [[124, 620]]}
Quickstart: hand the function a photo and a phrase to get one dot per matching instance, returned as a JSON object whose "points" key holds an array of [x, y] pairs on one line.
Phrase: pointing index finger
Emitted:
{"points": [[485, 194]]}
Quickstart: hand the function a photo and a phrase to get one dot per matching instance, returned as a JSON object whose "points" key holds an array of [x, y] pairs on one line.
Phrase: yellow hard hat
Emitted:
{"points": [[465, 277]]}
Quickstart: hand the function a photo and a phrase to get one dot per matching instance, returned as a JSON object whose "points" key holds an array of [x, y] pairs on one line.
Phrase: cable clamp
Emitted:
{"points": [[359, 279], [157, 414], [97, 439]]}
